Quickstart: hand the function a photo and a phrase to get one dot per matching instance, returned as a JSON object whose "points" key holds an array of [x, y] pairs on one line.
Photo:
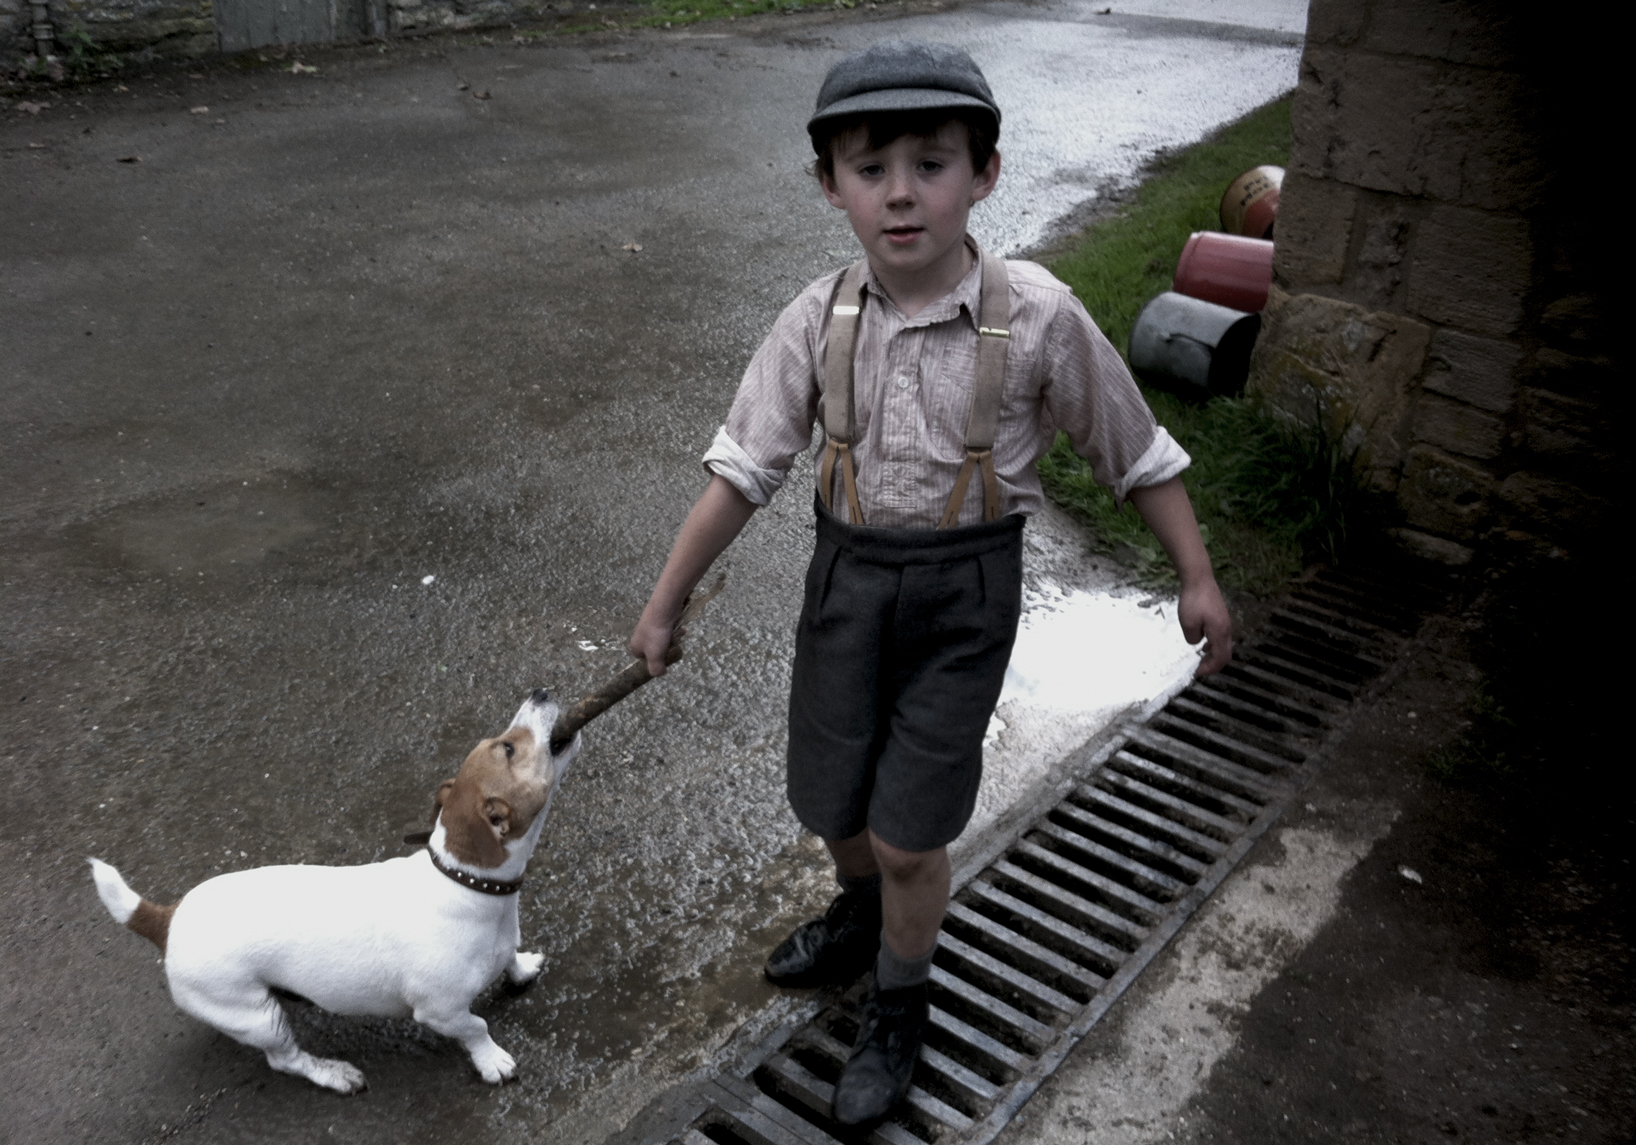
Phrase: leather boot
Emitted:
{"points": [[877, 1074], [833, 949]]}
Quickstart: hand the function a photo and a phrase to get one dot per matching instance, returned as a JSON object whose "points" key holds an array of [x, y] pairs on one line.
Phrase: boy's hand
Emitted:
{"points": [[652, 639], [1203, 615], [718, 515], [1201, 610]]}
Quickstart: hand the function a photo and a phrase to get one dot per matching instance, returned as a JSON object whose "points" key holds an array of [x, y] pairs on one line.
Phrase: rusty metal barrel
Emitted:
{"points": [[1250, 205], [1191, 347]]}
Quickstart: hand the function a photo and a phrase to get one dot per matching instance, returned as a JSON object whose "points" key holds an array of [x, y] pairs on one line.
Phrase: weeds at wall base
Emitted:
{"points": [[1269, 499]]}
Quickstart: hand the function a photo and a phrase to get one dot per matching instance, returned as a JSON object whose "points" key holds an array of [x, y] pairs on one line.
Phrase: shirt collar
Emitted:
{"points": [[964, 299]]}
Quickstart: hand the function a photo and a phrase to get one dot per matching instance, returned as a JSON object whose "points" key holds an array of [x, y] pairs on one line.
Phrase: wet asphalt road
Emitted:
{"points": [[344, 332]]}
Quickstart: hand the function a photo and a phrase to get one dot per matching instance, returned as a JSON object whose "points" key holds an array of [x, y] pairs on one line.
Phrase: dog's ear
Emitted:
{"points": [[469, 834], [437, 800], [498, 813]]}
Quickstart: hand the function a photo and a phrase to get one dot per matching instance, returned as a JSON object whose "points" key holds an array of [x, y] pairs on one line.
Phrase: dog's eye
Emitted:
{"points": [[510, 750]]}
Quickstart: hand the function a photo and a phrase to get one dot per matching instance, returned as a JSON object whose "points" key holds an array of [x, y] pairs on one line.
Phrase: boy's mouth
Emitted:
{"points": [[903, 234]]}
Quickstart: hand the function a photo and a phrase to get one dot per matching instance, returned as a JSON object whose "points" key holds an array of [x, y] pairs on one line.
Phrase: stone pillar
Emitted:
{"points": [[1430, 310]]}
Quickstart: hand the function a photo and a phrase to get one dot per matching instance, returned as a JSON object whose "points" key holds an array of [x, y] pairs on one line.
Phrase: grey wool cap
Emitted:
{"points": [[903, 75]]}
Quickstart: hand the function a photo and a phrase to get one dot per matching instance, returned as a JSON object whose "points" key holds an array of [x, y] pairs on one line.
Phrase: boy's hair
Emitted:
{"points": [[982, 132]]}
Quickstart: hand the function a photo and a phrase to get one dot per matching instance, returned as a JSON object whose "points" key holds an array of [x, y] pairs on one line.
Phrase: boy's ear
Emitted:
{"points": [[826, 183], [983, 183]]}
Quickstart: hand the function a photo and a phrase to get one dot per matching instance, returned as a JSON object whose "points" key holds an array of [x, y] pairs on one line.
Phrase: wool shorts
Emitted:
{"points": [[900, 654]]}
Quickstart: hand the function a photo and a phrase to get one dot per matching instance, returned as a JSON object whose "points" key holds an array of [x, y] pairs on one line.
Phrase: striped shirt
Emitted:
{"points": [[912, 395]]}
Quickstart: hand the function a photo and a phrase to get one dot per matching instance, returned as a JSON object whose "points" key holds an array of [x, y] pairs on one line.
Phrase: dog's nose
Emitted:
{"points": [[539, 695]]}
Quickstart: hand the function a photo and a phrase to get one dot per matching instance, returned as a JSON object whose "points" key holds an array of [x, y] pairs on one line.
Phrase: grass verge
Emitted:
{"points": [[1267, 499]]}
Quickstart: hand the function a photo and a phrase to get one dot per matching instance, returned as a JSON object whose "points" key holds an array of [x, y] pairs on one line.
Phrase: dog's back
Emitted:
{"points": [[354, 940]]}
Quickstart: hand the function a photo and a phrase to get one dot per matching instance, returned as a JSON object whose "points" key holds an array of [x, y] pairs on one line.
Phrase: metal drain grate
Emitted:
{"points": [[1041, 941]]}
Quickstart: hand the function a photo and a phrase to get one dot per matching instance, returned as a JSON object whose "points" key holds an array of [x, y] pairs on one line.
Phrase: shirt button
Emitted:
{"points": [[903, 383]]}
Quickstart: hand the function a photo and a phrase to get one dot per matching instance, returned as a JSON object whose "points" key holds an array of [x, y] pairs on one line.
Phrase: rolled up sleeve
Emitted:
{"points": [[726, 458]]}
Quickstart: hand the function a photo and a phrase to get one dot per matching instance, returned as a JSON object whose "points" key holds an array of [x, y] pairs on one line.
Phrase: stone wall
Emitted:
{"points": [[1444, 251], [154, 27]]}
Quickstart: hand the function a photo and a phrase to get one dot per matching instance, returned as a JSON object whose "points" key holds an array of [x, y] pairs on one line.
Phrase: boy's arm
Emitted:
{"points": [[1202, 611], [717, 517]]}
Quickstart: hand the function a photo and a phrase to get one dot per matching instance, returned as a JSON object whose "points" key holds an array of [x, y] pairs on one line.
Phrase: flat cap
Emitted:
{"points": [[903, 75]]}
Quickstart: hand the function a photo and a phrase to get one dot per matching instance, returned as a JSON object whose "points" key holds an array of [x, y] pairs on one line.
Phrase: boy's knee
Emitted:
{"points": [[900, 865]]}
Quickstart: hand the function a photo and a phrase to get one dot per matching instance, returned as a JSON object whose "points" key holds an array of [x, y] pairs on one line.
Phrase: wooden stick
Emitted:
{"points": [[588, 708]]}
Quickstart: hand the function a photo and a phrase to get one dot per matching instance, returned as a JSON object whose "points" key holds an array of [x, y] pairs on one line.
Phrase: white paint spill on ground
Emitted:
{"points": [[1081, 651]]}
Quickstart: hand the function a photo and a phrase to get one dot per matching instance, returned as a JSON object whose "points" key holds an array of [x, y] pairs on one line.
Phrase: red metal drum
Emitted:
{"points": [[1250, 205], [1229, 270]]}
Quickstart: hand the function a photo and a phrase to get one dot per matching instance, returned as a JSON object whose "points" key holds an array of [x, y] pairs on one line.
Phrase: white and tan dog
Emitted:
{"points": [[420, 936]]}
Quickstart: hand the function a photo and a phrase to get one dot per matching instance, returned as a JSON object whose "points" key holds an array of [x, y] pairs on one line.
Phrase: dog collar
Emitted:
{"points": [[474, 882]]}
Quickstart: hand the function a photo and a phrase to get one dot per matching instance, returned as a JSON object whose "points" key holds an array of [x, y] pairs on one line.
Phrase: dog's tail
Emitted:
{"points": [[150, 920]]}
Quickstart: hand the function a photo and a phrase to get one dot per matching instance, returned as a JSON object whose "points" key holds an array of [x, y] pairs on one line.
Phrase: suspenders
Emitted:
{"points": [[840, 416]]}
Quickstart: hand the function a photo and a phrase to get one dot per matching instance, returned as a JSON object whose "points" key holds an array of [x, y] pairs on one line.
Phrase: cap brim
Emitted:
{"points": [[899, 99]]}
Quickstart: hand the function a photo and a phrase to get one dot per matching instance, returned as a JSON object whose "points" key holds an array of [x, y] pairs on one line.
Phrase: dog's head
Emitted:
{"points": [[504, 786]]}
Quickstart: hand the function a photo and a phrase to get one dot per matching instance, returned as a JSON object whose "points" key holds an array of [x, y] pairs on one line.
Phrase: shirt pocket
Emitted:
{"points": [[947, 379]]}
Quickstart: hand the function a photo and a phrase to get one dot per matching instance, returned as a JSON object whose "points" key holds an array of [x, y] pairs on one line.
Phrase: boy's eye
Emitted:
{"points": [[871, 169]]}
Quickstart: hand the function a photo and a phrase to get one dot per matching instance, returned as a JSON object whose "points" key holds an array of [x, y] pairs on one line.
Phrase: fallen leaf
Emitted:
{"points": [[463, 87], [481, 95], [31, 107], [299, 69], [200, 110], [219, 122], [130, 159], [36, 146], [633, 247], [121, 87], [194, 76], [1411, 874]]}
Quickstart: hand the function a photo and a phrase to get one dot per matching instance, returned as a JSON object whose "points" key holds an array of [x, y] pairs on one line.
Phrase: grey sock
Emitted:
{"points": [[894, 973], [865, 883]]}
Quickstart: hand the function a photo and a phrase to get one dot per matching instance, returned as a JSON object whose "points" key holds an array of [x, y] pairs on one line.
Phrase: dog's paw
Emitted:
{"points": [[494, 1064], [524, 968], [342, 1077]]}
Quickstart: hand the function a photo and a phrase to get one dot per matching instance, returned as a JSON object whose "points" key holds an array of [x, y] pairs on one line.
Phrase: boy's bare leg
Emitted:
{"points": [[844, 941], [914, 896], [854, 857]]}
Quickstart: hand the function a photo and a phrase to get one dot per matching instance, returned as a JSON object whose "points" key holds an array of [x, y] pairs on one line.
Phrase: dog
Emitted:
{"points": [[417, 937]]}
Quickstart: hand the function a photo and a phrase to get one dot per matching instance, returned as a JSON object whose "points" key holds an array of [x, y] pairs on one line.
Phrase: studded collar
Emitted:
{"points": [[464, 878]]}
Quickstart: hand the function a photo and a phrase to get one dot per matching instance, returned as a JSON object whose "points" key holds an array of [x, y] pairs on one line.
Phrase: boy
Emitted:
{"points": [[942, 374]]}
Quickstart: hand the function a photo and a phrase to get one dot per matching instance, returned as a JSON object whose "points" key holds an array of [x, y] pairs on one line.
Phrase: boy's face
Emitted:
{"points": [[908, 201]]}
